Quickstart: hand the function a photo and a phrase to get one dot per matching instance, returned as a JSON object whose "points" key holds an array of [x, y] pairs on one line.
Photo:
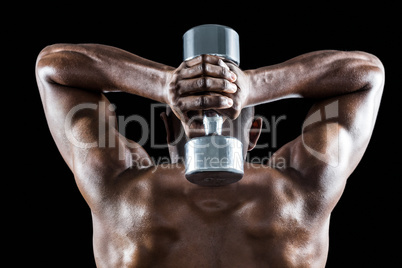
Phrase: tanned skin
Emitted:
{"points": [[149, 216]]}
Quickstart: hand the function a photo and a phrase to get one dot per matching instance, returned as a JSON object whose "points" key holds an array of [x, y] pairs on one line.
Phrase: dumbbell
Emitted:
{"points": [[213, 159]]}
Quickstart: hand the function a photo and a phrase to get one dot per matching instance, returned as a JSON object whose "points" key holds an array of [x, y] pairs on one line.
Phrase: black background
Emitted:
{"points": [[48, 221]]}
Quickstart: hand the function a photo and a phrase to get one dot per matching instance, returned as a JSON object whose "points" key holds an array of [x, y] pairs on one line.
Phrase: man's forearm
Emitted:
{"points": [[104, 68], [321, 74]]}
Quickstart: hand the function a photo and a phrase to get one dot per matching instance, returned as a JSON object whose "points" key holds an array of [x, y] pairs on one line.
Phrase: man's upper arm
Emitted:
{"points": [[334, 137], [82, 123]]}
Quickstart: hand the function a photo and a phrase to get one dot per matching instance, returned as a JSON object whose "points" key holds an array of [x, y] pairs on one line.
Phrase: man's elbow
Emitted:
{"points": [[50, 64], [44, 67], [377, 77], [373, 73]]}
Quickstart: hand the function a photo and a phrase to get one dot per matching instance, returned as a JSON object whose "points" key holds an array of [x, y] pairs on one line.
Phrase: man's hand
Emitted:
{"points": [[207, 83], [241, 96]]}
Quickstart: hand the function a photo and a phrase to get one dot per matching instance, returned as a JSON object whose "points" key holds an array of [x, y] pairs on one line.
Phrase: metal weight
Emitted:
{"points": [[212, 39]]}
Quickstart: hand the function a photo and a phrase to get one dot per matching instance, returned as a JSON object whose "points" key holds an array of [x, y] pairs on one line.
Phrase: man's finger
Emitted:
{"points": [[203, 84], [204, 58], [207, 69], [204, 102], [194, 61]]}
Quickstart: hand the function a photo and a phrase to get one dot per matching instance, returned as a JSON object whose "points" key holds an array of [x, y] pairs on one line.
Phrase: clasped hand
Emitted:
{"points": [[207, 83]]}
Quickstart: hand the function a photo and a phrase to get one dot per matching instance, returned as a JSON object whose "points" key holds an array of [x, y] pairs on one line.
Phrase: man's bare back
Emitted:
{"points": [[161, 220], [151, 216]]}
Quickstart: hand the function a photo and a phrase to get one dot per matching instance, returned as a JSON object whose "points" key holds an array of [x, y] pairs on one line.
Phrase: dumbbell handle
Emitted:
{"points": [[212, 124]]}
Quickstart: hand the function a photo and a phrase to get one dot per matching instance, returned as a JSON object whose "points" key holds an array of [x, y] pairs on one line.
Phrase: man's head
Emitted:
{"points": [[246, 128]]}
